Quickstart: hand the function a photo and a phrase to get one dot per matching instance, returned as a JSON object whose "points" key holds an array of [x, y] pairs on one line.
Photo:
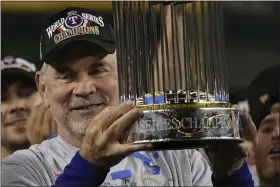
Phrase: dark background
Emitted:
{"points": [[252, 32]]}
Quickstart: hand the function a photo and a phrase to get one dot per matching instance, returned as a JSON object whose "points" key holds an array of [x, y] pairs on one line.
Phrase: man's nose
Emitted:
{"points": [[84, 87], [18, 106], [276, 134]]}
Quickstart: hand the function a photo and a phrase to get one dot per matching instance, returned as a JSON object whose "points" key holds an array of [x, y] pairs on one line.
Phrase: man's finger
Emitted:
{"points": [[247, 147], [46, 126], [32, 117], [125, 137], [249, 131], [32, 128], [236, 107], [110, 114], [37, 131], [30, 122], [39, 117], [126, 121], [105, 119], [54, 126]]}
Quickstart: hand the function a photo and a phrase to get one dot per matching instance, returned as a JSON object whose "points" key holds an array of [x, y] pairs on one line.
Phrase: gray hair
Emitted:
{"points": [[44, 68]]}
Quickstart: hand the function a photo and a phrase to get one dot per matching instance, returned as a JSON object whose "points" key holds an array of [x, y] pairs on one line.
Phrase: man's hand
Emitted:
{"points": [[228, 157], [40, 124], [104, 144]]}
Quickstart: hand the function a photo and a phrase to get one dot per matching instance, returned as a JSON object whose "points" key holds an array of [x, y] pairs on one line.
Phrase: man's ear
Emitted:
{"points": [[41, 87]]}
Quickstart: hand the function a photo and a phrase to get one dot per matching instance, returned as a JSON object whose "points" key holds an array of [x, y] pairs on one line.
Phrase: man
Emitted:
{"points": [[79, 84], [18, 96], [25, 120], [264, 101]]}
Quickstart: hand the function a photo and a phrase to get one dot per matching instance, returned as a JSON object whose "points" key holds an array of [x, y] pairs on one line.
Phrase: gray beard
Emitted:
{"points": [[77, 130]]}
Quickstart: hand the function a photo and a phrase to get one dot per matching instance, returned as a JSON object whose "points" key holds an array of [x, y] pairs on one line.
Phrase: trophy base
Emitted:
{"points": [[185, 144], [190, 125]]}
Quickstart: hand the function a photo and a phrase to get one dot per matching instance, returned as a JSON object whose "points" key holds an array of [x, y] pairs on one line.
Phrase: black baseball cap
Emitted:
{"points": [[75, 24], [12, 67], [264, 94]]}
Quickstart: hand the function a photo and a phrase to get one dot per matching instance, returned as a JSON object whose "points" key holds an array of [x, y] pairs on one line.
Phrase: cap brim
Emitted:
{"points": [[265, 83], [107, 46], [17, 72]]}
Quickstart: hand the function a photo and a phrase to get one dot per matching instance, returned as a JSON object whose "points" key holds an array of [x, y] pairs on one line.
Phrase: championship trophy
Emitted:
{"points": [[171, 63]]}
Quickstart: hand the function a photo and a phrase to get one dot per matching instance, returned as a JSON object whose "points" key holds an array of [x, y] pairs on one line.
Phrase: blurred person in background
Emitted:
{"points": [[264, 103], [19, 97]]}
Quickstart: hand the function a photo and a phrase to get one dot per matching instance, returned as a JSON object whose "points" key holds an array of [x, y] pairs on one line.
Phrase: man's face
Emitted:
{"points": [[268, 149], [17, 99], [80, 84]]}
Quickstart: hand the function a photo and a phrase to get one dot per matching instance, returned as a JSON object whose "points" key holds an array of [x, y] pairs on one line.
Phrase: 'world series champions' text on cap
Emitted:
{"points": [[75, 24]]}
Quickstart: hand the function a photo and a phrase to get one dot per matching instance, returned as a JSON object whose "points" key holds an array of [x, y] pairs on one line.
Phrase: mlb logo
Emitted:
{"points": [[73, 21]]}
